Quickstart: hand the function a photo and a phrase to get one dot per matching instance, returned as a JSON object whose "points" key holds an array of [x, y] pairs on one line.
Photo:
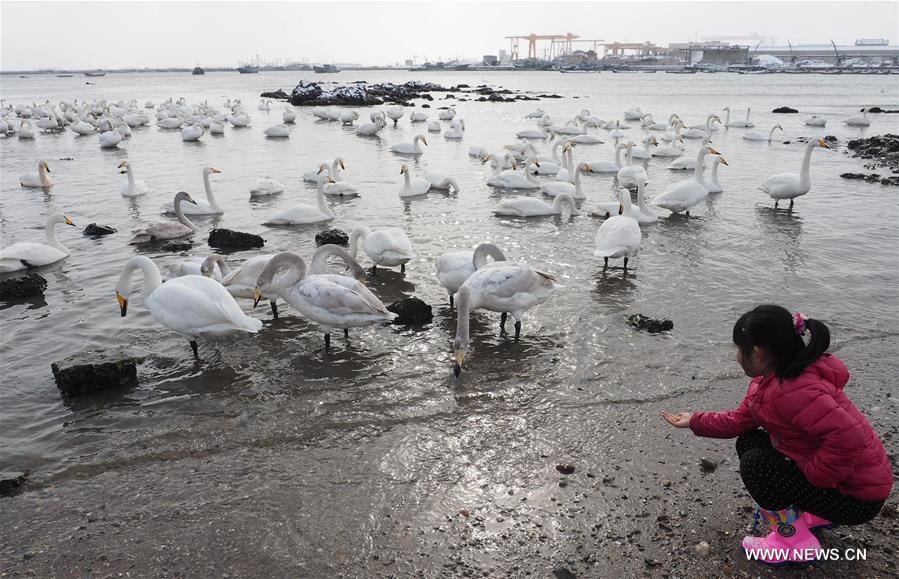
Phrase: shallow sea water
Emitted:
{"points": [[833, 257]]}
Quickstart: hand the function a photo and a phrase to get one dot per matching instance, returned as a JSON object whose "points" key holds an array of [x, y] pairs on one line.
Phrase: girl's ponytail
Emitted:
{"points": [[818, 343]]}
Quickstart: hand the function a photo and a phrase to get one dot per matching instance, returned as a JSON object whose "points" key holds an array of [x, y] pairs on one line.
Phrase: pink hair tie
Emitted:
{"points": [[799, 323]]}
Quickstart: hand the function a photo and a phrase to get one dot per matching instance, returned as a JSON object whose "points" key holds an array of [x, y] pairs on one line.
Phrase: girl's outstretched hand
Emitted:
{"points": [[679, 420]]}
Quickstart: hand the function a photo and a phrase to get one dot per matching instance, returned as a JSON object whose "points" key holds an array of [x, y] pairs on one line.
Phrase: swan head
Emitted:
{"points": [[460, 358], [487, 157], [778, 127], [208, 266], [586, 167], [212, 170], [404, 169], [711, 150], [45, 166], [723, 161], [184, 196], [123, 302], [322, 168], [822, 143]]}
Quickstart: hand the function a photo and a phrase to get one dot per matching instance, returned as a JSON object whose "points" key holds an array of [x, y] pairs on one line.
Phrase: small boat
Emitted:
{"points": [[64, 75], [248, 69], [97, 72], [325, 68], [198, 70]]}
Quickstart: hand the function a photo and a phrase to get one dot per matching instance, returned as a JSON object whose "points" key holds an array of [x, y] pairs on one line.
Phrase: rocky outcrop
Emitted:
{"points": [[883, 149], [228, 239], [784, 110], [95, 230], [411, 311], [278, 94], [93, 370], [647, 324], [332, 237], [26, 286], [10, 481], [312, 94], [308, 93]]}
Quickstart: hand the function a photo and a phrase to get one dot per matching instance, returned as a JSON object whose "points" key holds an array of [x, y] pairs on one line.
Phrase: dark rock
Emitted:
{"points": [[884, 149], [647, 324], [565, 468], [26, 286], [450, 96], [426, 97], [66, 159], [563, 573], [707, 465], [871, 178], [10, 481], [311, 94], [228, 239], [332, 237], [830, 139], [176, 245], [894, 180], [98, 230], [550, 96], [411, 311], [425, 106], [278, 94], [784, 110], [94, 370]]}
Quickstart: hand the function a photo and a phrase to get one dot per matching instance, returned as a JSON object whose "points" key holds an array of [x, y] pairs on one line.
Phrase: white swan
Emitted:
{"points": [[512, 179], [538, 114], [372, 128], [110, 139], [619, 235], [412, 187], [277, 132], [815, 121], [532, 207], [506, 287], [674, 147], [685, 163], [388, 247], [395, 113], [697, 133], [442, 181], [193, 305], [434, 127], [859, 120], [81, 127], [555, 188], [39, 179], [606, 166], [630, 175], [683, 195], [532, 134], [289, 116], [454, 267], [331, 301], [26, 254], [168, 229], [761, 135], [239, 119], [644, 153], [634, 114], [264, 105], [712, 184], [208, 207], [738, 124], [793, 185], [26, 130], [413, 148], [192, 132], [131, 187], [446, 114], [456, 130], [213, 266], [303, 213], [418, 117], [332, 171], [266, 186]]}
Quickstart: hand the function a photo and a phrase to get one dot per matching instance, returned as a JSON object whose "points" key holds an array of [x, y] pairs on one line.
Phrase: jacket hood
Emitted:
{"points": [[831, 369]]}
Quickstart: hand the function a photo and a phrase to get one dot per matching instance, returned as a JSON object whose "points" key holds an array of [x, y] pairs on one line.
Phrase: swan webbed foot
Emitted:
{"points": [[328, 341], [274, 310], [775, 204], [517, 329], [502, 322], [193, 346], [687, 213]]}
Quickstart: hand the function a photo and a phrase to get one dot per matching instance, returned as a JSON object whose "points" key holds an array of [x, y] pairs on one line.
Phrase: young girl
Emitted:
{"points": [[815, 462]]}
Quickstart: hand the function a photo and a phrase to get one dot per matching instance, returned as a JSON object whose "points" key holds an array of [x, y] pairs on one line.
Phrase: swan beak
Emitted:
{"points": [[123, 172], [123, 303], [46, 167], [724, 161], [330, 180], [621, 208], [257, 295], [536, 162], [588, 168], [69, 221], [321, 170], [486, 158], [216, 170], [713, 151], [425, 141], [823, 143], [402, 169], [190, 200], [342, 166], [122, 164], [457, 365]]}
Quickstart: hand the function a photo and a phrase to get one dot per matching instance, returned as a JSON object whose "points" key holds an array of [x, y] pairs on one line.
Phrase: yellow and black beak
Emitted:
{"points": [[425, 141], [330, 180], [713, 151], [342, 166], [69, 221], [122, 164], [46, 167], [214, 170], [724, 161], [588, 168], [823, 143], [123, 303], [257, 296], [457, 365]]}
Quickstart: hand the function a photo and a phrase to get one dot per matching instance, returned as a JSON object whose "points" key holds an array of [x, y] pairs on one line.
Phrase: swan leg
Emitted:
{"points": [[403, 265], [502, 322], [346, 333], [688, 212], [791, 203], [517, 329], [328, 341], [193, 346], [776, 201], [452, 302], [605, 262], [625, 263], [374, 269], [274, 309]]}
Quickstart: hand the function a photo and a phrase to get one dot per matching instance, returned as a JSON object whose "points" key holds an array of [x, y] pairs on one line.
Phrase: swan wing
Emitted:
{"points": [[194, 305], [31, 254]]}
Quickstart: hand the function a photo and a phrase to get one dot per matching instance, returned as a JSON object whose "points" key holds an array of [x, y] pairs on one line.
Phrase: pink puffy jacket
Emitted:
{"points": [[814, 423]]}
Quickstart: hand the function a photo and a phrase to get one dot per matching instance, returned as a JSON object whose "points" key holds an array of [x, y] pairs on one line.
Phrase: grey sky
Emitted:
{"points": [[156, 34]]}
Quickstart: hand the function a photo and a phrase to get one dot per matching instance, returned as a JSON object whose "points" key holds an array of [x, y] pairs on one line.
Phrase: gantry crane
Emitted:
{"points": [[563, 39]]}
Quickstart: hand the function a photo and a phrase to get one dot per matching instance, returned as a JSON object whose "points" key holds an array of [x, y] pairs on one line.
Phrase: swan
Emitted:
{"points": [[685, 163], [266, 186], [618, 131], [645, 152], [170, 123], [434, 127], [531, 207], [395, 113], [747, 124], [264, 105], [168, 229], [512, 179], [239, 119], [412, 148], [192, 132], [712, 184], [418, 117], [683, 195], [697, 133], [289, 116], [372, 128], [604, 166], [388, 247], [216, 128], [208, 207], [213, 266], [454, 267], [648, 123], [192, 305], [26, 131], [82, 128], [339, 188], [412, 187], [304, 213], [570, 128], [532, 134], [456, 130], [132, 187], [642, 213], [630, 175], [322, 169], [555, 188], [506, 287], [672, 137], [538, 114], [446, 114], [26, 254], [619, 235], [859, 120], [348, 117], [277, 132], [241, 281], [110, 139], [673, 149], [442, 181], [634, 114], [815, 121], [761, 135], [331, 301], [39, 179], [792, 185]]}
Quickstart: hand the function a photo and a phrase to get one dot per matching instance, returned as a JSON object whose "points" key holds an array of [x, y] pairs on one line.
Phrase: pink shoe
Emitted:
{"points": [[816, 522], [790, 541]]}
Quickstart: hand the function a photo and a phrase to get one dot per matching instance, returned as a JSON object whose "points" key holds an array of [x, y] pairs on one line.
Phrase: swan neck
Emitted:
{"points": [[618, 157], [700, 165], [179, 213], [320, 194], [51, 235], [485, 250], [130, 178], [152, 277], [627, 207], [296, 272], [321, 255], [358, 232], [210, 196], [804, 174], [463, 312]]}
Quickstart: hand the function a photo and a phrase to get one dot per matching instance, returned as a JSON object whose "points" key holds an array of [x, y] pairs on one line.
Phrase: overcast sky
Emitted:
{"points": [[182, 34]]}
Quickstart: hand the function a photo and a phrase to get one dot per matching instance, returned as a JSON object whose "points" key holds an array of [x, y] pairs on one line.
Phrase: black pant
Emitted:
{"points": [[775, 483]]}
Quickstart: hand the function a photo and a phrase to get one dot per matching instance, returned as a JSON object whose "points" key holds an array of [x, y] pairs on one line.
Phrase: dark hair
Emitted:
{"points": [[771, 328]]}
